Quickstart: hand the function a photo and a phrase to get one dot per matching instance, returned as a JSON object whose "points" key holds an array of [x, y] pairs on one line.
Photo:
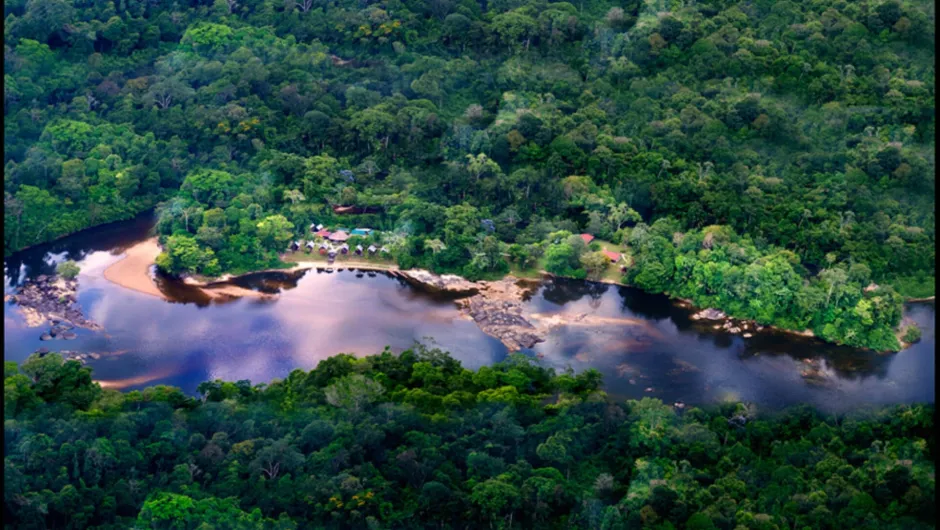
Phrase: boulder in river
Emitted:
{"points": [[445, 282], [709, 314], [497, 309], [45, 336], [52, 299]]}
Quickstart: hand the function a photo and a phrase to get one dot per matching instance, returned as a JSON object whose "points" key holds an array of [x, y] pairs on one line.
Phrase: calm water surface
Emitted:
{"points": [[645, 345]]}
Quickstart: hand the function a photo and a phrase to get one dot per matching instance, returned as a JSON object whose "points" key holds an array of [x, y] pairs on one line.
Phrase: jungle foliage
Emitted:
{"points": [[798, 134], [417, 441]]}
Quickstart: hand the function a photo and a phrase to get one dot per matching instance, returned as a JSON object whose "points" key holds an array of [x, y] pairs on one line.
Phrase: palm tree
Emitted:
{"points": [[663, 167], [294, 195], [434, 245]]}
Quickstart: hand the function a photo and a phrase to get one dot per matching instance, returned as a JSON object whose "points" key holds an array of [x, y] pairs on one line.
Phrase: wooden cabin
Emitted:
{"points": [[587, 238], [324, 248], [309, 247], [372, 250], [295, 246], [344, 249], [358, 250], [614, 257]]}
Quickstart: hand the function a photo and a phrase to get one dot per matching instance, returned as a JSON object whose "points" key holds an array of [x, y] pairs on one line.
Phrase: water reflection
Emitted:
{"points": [[42, 259], [646, 345]]}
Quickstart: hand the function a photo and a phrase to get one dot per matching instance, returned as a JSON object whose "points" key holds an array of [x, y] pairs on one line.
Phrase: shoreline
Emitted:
{"points": [[919, 300], [133, 272]]}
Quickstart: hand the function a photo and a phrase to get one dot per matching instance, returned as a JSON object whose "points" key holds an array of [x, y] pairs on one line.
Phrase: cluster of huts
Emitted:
{"points": [[330, 243]]}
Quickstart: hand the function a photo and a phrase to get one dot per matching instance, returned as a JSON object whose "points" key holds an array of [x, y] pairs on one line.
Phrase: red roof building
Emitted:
{"points": [[614, 257], [323, 233], [587, 238], [338, 236]]}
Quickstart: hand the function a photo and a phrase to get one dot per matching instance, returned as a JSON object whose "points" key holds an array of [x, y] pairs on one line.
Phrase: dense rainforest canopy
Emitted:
{"points": [[770, 158], [417, 441]]}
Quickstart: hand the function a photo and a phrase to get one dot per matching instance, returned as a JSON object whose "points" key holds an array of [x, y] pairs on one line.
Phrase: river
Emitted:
{"points": [[645, 345]]}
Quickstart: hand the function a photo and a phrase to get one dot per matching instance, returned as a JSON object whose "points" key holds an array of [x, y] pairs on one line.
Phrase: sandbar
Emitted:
{"points": [[133, 270], [234, 291]]}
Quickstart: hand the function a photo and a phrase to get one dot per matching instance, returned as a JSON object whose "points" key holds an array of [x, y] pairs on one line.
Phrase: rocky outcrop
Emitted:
{"points": [[497, 308], [450, 283], [82, 357], [52, 300], [709, 314], [814, 372]]}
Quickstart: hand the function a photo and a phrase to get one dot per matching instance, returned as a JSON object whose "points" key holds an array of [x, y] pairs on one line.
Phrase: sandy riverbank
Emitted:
{"points": [[133, 270]]}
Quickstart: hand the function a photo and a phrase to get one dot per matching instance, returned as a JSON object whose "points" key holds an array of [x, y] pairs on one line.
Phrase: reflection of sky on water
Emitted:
{"points": [[260, 340], [682, 362], [638, 341]]}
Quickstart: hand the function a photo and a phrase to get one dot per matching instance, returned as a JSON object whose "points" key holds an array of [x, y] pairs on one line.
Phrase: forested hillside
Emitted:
{"points": [[417, 441], [769, 158]]}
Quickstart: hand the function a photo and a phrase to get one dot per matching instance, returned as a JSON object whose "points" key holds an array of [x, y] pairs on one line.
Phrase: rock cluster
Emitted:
{"points": [[445, 282], [52, 300], [709, 314], [814, 372], [497, 309], [70, 355]]}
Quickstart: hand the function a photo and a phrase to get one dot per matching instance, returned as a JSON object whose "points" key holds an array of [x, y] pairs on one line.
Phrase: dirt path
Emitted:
{"points": [[133, 270]]}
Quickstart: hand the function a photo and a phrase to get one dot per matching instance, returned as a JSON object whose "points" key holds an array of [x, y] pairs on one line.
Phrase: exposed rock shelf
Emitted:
{"points": [[52, 300], [497, 309], [450, 283]]}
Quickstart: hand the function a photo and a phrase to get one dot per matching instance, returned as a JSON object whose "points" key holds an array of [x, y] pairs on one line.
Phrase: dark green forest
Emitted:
{"points": [[773, 159], [417, 441]]}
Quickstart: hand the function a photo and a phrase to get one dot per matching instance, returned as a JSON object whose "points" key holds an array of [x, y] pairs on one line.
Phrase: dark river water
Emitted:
{"points": [[645, 345]]}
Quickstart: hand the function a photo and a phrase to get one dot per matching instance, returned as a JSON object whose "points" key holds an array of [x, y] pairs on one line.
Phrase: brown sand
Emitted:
{"points": [[234, 291], [133, 270]]}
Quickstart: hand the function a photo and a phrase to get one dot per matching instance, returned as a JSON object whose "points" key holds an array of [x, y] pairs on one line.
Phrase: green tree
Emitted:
{"points": [[68, 269]]}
